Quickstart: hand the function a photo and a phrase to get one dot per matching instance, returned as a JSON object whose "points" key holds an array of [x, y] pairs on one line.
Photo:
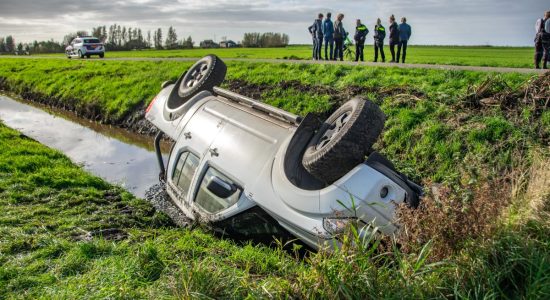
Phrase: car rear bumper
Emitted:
{"points": [[94, 51]]}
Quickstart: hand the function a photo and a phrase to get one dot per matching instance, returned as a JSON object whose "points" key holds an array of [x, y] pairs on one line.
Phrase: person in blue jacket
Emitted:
{"points": [[316, 31], [328, 31], [404, 36]]}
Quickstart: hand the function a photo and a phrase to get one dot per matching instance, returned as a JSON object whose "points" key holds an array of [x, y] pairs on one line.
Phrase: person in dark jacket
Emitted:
{"points": [[394, 37], [328, 31], [379, 36], [542, 41], [339, 36], [404, 36], [316, 31], [360, 36]]}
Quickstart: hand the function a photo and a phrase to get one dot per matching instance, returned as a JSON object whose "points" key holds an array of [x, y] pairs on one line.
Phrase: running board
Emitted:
{"points": [[273, 111]]}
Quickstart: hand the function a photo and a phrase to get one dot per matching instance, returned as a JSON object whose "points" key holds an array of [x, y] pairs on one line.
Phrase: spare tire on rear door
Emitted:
{"points": [[343, 140], [204, 75]]}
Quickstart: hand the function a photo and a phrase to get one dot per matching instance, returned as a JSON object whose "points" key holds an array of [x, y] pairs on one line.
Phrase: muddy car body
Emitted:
{"points": [[243, 166]]}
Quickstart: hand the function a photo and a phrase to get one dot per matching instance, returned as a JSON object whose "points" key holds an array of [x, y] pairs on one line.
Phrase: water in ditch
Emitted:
{"points": [[115, 155]]}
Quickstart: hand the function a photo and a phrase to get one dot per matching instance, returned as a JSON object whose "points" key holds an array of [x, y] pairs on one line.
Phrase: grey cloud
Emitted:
{"points": [[434, 21]]}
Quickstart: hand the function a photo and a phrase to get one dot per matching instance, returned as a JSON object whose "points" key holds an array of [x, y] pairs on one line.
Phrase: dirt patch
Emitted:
{"points": [[494, 92], [157, 196], [449, 218], [111, 234]]}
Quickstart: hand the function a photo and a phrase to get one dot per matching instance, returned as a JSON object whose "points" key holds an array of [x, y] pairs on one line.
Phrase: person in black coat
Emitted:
{"points": [[316, 31], [339, 36], [379, 36], [360, 36], [394, 37]]}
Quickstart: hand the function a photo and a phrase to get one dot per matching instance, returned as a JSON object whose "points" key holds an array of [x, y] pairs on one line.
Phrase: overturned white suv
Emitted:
{"points": [[255, 171]]}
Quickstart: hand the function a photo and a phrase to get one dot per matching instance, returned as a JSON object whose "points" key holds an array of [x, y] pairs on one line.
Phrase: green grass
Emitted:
{"points": [[422, 135], [48, 205], [515, 57], [432, 133]]}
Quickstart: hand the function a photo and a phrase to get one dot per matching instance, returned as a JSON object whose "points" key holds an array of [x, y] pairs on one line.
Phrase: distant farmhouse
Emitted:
{"points": [[209, 44], [228, 44]]}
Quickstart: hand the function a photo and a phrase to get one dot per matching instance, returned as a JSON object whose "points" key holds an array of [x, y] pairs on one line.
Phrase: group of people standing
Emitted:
{"points": [[542, 41], [334, 35]]}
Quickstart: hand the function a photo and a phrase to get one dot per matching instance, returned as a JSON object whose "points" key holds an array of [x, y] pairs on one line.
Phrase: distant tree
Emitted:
{"points": [[2, 45], [268, 39], [20, 47], [171, 39], [119, 35], [148, 38], [9, 44], [123, 36], [187, 43], [158, 39], [251, 39]]}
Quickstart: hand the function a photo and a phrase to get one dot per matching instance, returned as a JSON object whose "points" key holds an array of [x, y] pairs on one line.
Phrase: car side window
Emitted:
{"points": [[211, 202], [185, 171]]}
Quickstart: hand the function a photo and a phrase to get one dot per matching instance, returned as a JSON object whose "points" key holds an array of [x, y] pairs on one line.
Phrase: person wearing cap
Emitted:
{"points": [[379, 36], [360, 36]]}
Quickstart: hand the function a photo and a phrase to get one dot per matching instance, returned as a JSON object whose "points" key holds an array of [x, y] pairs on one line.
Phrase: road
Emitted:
{"points": [[348, 63]]}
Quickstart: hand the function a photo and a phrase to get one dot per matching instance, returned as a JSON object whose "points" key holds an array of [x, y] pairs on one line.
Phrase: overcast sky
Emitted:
{"points": [[441, 22]]}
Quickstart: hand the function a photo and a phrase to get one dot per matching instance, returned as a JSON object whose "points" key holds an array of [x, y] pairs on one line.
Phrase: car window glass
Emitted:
{"points": [[184, 171], [179, 166], [210, 202], [91, 41], [187, 172]]}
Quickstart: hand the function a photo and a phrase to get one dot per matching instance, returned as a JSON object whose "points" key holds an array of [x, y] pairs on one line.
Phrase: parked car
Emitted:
{"points": [[85, 46], [209, 44], [255, 171]]}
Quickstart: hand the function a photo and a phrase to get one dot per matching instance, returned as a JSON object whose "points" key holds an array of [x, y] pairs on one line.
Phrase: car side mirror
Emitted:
{"points": [[220, 188]]}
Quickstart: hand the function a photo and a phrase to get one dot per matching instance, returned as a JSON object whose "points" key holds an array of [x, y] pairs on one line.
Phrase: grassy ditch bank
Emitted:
{"points": [[116, 92], [516, 57], [66, 234]]}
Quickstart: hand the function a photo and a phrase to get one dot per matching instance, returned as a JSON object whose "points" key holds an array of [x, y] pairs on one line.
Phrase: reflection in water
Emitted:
{"points": [[131, 166]]}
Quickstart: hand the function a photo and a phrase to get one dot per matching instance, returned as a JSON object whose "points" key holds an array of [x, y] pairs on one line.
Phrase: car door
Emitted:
{"points": [[196, 137]]}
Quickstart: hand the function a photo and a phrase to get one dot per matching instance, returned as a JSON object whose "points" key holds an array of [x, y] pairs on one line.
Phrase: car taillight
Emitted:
{"points": [[150, 105]]}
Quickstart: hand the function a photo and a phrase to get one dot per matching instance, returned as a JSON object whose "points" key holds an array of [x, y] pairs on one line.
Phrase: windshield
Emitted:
{"points": [[91, 41]]}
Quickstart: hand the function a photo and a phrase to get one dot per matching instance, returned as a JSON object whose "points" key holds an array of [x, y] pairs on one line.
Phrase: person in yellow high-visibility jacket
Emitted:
{"points": [[379, 36], [360, 36]]}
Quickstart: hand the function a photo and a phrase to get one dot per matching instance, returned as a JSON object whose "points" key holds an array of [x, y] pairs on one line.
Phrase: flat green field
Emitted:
{"points": [[482, 138], [520, 57]]}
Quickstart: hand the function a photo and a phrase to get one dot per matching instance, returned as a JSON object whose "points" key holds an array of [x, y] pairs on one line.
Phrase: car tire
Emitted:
{"points": [[101, 55], [343, 140], [88, 55], [80, 54], [204, 75]]}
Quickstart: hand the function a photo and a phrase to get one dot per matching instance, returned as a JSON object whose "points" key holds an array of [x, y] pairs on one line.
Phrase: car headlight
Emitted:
{"points": [[338, 225]]}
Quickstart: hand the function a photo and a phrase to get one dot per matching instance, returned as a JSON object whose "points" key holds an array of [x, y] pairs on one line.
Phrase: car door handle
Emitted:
{"points": [[214, 152]]}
